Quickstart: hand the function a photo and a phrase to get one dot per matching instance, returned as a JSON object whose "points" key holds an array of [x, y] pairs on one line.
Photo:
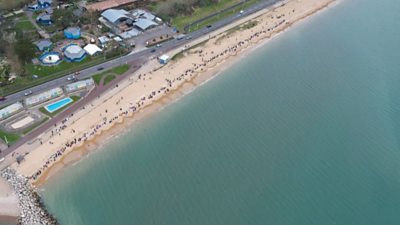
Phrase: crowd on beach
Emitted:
{"points": [[108, 120]]}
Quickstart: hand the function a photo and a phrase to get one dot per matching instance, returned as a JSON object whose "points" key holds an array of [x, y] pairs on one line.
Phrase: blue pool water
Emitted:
{"points": [[58, 105]]}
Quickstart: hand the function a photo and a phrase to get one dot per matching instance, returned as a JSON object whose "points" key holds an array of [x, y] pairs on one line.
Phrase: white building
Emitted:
{"points": [[79, 85], [43, 97], [10, 110], [92, 49], [164, 59]]}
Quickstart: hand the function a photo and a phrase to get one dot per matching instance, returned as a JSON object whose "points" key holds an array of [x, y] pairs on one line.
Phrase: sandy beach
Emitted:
{"points": [[155, 86]]}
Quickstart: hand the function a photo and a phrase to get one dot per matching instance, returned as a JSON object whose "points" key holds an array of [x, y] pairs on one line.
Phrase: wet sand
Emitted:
{"points": [[294, 11]]}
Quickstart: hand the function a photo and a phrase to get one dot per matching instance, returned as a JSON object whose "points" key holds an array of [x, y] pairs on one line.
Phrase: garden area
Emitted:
{"points": [[110, 75], [180, 14]]}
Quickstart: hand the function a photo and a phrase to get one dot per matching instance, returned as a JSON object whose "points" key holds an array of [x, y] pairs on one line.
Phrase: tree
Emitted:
{"points": [[64, 18], [25, 49]]}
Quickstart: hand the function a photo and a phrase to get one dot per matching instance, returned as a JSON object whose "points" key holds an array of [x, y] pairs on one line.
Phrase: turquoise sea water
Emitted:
{"points": [[304, 131]]}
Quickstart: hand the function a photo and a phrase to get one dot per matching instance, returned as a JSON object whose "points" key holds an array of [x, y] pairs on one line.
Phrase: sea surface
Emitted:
{"points": [[304, 131]]}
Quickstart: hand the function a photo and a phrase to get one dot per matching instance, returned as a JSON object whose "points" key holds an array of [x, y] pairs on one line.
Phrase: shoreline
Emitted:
{"points": [[125, 122]]}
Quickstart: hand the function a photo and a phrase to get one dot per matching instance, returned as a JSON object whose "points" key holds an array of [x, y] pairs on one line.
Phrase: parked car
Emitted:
{"points": [[28, 93], [188, 37], [209, 26], [77, 73], [100, 68], [158, 45]]}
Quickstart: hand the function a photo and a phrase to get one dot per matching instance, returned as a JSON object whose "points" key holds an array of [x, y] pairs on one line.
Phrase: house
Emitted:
{"points": [[41, 4], [44, 45], [103, 40], [72, 33], [44, 3], [44, 19], [92, 49]]}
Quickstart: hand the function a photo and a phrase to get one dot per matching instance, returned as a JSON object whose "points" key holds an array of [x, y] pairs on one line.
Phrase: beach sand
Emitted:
{"points": [[155, 86]]}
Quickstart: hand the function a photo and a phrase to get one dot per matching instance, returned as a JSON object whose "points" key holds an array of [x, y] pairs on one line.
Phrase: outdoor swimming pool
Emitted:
{"points": [[58, 104]]}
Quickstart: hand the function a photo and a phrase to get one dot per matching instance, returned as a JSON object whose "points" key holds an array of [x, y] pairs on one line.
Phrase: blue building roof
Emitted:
{"points": [[72, 32], [45, 2]]}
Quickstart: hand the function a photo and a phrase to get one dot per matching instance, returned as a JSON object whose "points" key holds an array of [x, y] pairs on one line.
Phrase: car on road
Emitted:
{"points": [[77, 73], [2, 98], [158, 45], [180, 37], [209, 26], [241, 12], [28, 93], [71, 78], [100, 68], [153, 50], [188, 37]]}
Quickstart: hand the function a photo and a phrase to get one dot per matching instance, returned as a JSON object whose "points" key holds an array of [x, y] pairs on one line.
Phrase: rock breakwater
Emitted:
{"points": [[33, 211]]}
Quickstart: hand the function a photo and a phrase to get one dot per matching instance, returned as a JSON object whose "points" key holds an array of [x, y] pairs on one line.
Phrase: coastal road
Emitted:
{"points": [[135, 60], [145, 54]]}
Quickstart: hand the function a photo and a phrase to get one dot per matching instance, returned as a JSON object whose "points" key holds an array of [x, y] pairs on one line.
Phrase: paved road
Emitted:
{"points": [[135, 60], [145, 54]]}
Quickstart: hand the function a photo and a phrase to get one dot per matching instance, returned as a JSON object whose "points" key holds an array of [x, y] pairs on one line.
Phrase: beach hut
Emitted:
{"points": [[43, 97], [10, 110], [72, 33], [74, 53], [164, 59], [79, 85]]}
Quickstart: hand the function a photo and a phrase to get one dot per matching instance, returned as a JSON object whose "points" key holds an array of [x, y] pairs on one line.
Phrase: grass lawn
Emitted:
{"points": [[180, 21], [34, 126], [52, 114], [109, 78], [180, 54], [223, 15], [120, 69], [64, 67], [11, 138], [110, 74], [25, 25]]}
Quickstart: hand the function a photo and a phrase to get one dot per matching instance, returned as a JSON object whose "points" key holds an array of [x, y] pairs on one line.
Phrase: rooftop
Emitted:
{"points": [[113, 15], [43, 44], [73, 30], [144, 24], [74, 52]]}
